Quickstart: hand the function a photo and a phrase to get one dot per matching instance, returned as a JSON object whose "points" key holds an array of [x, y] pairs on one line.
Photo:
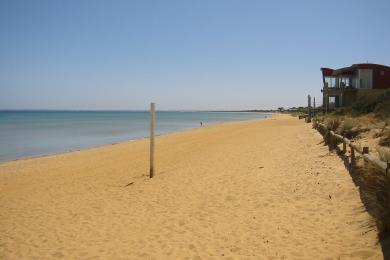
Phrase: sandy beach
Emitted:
{"points": [[263, 189]]}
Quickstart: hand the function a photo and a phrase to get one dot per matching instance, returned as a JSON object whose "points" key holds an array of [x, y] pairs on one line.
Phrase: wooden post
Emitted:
{"points": [[344, 146], [365, 151], [353, 159], [309, 108], [152, 127]]}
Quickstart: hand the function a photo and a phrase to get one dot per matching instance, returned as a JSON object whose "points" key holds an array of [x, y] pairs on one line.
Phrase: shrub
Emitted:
{"points": [[350, 128], [380, 105], [332, 123], [364, 106], [382, 108]]}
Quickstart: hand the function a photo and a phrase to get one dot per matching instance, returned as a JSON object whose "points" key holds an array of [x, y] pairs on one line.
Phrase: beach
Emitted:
{"points": [[259, 189]]}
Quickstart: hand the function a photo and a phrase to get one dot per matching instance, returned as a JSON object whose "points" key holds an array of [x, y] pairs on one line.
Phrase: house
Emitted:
{"points": [[342, 87]]}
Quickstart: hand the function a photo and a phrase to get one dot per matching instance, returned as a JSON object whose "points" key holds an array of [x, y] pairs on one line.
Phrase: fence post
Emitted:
{"points": [[152, 127], [353, 159], [365, 150], [333, 141], [344, 146], [309, 108]]}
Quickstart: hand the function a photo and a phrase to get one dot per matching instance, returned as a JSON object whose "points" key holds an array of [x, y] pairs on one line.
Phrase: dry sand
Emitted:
{"points": [[264, 189]]}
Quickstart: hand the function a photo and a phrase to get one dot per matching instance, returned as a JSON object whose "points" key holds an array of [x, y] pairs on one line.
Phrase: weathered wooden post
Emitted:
{"points": [[353, 159], [344, 146], [152, 127], [308, 109], [365, 150]]}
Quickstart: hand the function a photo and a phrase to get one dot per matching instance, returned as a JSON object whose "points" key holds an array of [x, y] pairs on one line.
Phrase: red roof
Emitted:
{"points": [[326, 72]]}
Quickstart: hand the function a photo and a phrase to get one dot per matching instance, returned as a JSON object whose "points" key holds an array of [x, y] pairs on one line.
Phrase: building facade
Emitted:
{"points": [[342, 87]]}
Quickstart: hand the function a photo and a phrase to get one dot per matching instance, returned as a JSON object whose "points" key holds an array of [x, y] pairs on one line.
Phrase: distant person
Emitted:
{"points": [[201, 123]]}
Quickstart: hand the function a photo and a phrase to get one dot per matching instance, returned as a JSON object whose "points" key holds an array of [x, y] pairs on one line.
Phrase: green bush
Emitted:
{"points": [[379, 105]]}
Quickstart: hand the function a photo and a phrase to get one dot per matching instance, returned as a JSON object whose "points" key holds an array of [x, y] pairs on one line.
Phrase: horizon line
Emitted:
{"points": [[131, 110]]}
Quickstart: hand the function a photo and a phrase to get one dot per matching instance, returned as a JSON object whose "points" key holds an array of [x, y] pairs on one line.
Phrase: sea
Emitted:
{"points": [[25, 134]]}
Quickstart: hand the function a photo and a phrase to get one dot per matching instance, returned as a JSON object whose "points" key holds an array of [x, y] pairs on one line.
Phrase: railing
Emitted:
{"points": [[364, 151]]}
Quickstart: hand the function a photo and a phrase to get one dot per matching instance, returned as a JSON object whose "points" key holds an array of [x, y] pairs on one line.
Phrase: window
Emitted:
{"points": [[344, 82], [330, 82], [365, 78], [382, 73]]}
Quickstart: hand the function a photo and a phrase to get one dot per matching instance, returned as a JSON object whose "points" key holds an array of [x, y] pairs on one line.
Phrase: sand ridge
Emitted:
{"points": [[264, 189]]}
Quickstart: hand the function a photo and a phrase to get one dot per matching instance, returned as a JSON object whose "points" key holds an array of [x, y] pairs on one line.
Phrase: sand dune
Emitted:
{"points": [[261, 189]]}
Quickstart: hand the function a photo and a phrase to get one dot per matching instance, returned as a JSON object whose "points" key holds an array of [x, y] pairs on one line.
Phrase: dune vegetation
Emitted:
{"points": [[367, 123]]}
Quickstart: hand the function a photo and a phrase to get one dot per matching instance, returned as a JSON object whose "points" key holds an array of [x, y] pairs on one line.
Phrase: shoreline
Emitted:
{"points": [[231, 189], [127, 141]]}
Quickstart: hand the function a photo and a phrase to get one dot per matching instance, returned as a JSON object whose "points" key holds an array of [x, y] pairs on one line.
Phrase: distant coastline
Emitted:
{"points": [[135, 110]]}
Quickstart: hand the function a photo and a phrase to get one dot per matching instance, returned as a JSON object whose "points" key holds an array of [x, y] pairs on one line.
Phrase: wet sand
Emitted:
{"points": [[264, 189]]}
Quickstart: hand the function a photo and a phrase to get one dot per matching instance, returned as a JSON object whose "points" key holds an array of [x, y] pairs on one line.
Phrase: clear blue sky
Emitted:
{"points": [[181, 54]]}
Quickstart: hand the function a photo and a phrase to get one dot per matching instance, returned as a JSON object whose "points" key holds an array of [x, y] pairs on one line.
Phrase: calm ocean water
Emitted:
{"points": [[34, 133]]}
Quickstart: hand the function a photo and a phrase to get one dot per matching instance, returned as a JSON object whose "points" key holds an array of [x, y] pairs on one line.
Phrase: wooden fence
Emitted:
{"points": [[364, 151]]}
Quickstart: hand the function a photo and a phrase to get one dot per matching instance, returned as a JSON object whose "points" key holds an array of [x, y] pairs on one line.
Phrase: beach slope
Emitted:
{"points": [[263, 189]]}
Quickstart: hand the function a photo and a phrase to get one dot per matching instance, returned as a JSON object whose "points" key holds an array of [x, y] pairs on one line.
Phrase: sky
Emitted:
{"points": [[183, 55]]}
